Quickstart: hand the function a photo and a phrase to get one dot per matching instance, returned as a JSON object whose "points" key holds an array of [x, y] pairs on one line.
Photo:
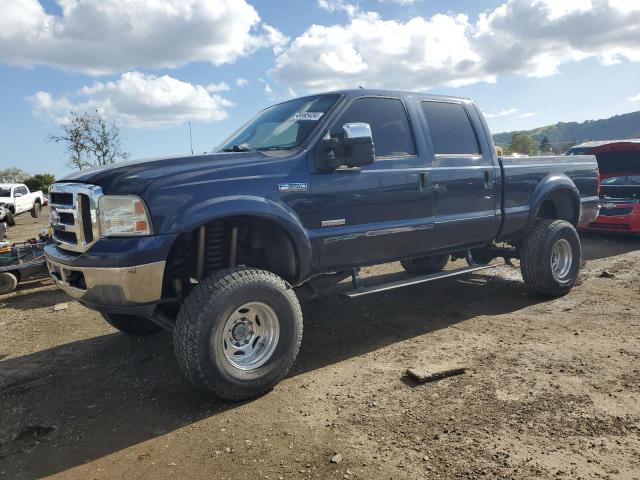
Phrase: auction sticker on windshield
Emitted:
{"points": [[310, 116]]}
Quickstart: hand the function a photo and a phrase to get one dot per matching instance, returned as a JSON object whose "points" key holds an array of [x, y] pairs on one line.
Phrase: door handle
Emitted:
{"points": [[424, 181], [488, 180]]}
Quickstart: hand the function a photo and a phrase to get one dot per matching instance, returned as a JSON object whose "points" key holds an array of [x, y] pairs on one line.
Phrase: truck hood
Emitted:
{"points": [[135, 176]]}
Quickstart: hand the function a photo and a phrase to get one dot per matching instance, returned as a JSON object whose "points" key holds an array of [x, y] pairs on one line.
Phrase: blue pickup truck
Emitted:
{"points": [[217, 247]]}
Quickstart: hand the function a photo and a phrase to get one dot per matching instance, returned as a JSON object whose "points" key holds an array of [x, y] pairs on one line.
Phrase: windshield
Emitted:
{"points": [[281, 127], [5, 191], [622, 180], [579, 151]]}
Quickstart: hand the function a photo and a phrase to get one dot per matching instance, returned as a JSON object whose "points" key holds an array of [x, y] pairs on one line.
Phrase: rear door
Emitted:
{"points": [[380, 211], [465, 179]]}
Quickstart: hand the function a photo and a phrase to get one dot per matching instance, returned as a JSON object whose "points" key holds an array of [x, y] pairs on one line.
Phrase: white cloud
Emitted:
{"points": [[138, 101], [507, 112], [110, 36], [218, 87], [242, 82], [338, 6], [267, 89], [635, 98], [399, 2], [525, 37], [527, 115]]}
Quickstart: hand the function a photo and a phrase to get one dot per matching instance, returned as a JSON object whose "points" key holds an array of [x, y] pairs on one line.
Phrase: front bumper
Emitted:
{"points": [[110, 289], [115, 275], [629, 223]]}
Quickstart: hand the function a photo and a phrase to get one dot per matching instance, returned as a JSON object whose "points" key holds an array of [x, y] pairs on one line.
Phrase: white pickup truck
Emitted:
{"points": [[17, 198]]}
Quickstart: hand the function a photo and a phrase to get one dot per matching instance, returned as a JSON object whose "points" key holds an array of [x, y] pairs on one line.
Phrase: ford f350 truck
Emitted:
{"points": [[212, 246]]}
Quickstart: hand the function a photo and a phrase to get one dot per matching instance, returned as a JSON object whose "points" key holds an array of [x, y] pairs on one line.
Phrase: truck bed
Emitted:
{"points": [[527, 179]]}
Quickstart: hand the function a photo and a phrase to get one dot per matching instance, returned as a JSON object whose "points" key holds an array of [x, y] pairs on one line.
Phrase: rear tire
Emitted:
{"points": [[8, 282], [550, 258], [425, 265], [131, 324], [35, 211], [238, 333]]}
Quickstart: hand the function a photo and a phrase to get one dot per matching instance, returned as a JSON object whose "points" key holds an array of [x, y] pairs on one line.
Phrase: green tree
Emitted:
{"points": [[13, 175], [90, 141], [545, 144], [521, 143], [41, 181]]}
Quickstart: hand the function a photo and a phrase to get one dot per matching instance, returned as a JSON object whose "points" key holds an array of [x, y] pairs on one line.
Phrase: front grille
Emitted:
{"points": [[61, 198], [615, 212], [74, 217]]}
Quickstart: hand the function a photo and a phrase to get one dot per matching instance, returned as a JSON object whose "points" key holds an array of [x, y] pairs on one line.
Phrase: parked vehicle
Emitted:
{"points": [[619, 163], [20, 260], [311, 189], [17, 198]]}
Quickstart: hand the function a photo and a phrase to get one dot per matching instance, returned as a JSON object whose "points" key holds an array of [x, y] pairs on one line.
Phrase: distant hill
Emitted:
{"points": [[617, 127]]}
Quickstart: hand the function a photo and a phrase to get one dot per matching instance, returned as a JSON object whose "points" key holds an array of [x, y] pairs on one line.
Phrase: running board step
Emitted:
{"points": [[383, 287]]}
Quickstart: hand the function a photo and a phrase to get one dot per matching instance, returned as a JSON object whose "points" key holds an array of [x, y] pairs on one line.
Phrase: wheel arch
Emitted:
{"points": [[273, 232], [556, 197]]}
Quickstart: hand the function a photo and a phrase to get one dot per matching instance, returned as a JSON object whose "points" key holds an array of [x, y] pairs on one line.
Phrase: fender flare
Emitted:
{"points": [[549, 185], [247, 205]]}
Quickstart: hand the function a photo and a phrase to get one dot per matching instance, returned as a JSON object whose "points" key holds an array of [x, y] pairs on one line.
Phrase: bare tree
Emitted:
{"points": [[104, 142], [90, 141]]}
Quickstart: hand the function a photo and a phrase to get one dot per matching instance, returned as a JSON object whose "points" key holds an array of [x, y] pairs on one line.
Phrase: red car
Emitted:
{"points": [[619, 164]]}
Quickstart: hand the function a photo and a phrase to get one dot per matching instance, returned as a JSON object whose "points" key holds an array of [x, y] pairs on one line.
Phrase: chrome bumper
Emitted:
{"points": [[110, 287]]}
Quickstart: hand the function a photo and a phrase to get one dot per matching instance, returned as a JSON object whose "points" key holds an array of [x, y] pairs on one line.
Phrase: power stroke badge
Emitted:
{"points": [[292, 187]]}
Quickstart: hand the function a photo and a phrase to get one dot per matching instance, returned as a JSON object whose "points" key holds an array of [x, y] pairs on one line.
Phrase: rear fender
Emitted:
{"points": [[561, 189]]}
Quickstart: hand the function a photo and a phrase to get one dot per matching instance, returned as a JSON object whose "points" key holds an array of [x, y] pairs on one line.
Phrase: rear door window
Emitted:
{"points": [[392, 136], [450, 128]]}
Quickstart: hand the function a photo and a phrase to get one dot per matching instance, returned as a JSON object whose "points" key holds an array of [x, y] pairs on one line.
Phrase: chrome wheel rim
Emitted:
{"points": [[561, 259], [250, 335]]}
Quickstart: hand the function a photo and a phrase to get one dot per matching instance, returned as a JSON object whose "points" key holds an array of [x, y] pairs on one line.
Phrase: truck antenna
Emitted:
{"points": [[190, 138]]}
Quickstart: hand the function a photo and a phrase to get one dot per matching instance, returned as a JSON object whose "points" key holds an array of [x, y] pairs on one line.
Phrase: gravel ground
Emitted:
{"points": [[551, 390]]}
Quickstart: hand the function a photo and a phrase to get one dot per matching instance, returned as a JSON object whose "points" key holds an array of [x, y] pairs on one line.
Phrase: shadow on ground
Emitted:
{"points": [[65, 406]]}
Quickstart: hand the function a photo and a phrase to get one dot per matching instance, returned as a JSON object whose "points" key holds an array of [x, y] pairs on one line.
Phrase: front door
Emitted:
{"points": [[378, 212]]}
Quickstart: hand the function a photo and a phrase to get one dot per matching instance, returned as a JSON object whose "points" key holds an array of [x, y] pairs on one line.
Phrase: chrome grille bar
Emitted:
{"points": [[75, 237]]}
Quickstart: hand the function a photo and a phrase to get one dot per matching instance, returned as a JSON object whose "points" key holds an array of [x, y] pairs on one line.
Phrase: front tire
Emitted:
{"points": [[550, 258], [238, 333], [35, 211], [131, 324], [425, 265], [8, 282], [9, 218]]}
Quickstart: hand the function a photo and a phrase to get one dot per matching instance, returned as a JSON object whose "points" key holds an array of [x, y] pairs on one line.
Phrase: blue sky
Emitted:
{"points": [[527, 63]]}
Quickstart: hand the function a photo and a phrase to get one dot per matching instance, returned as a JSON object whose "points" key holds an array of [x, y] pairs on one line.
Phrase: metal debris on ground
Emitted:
{"points": [[424, 375], [606, 274]]}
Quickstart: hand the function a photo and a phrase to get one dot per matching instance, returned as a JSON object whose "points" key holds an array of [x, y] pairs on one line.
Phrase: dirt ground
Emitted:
{"points": [[552, 388]]}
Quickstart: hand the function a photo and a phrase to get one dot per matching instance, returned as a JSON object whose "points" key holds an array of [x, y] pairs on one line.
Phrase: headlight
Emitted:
{"points": [[124, 215]]}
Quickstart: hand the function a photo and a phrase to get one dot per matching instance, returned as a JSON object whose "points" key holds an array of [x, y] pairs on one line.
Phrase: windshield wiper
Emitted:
{"points": [[243, 147]]}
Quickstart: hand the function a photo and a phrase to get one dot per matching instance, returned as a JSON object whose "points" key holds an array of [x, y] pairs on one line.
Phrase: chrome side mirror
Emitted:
{"points": [[356, 130], [357, 142]]}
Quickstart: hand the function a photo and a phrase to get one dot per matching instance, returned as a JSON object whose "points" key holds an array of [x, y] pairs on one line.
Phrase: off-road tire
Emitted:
{"points": [[9, 218], [8, 282], [35, 211], [131, 324], [536, 254], [425, 265], [200, 324]]}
